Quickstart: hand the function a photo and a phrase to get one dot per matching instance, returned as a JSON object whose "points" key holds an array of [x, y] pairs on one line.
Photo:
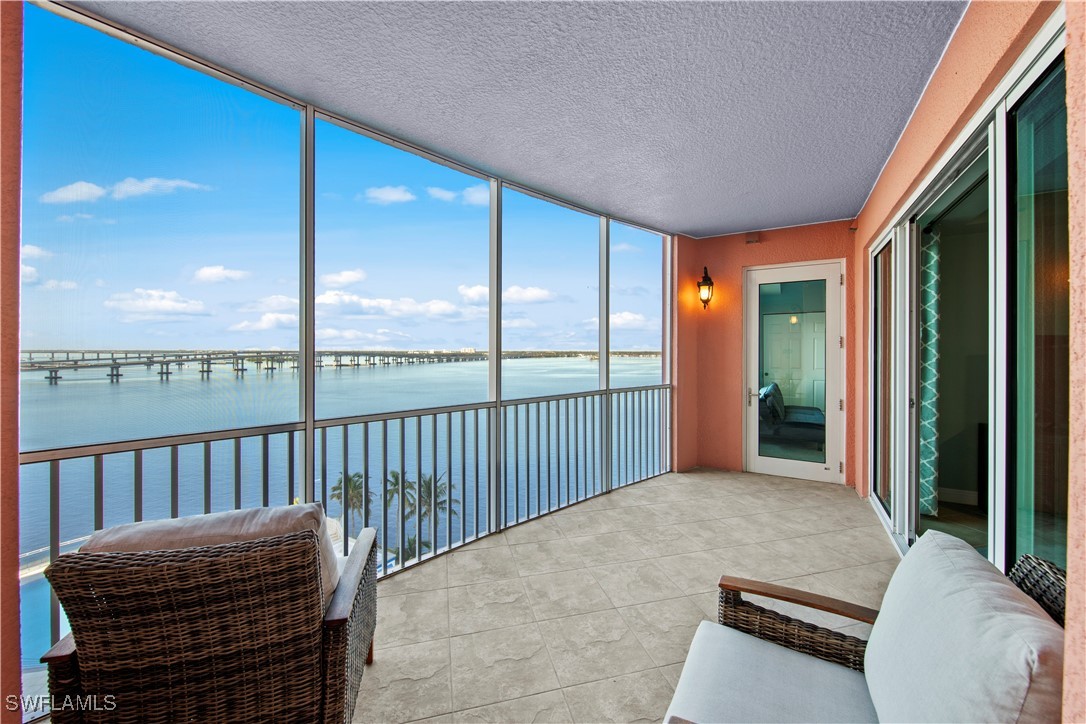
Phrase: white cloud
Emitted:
{"points": [[69, 218], [217, 273], [343, 278], [139, 187], [35, 252], [274, 303], [153, 302], [621, 247], [87, 191], [28, 274], [59, 284], [477, 294], [477, 195], [518, 324], [269, 320], [631, 320], [384, 195], [527, 295], [380, 336], [402, 307], [441, 194], [78, 191]]}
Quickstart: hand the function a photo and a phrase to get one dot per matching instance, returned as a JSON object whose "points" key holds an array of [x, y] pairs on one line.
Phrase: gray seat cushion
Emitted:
{"points": [[225, 527], [956, 641], [730, 676]]}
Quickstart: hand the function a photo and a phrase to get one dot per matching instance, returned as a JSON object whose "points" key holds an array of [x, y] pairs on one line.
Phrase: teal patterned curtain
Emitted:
{"points": [[929, 372]]}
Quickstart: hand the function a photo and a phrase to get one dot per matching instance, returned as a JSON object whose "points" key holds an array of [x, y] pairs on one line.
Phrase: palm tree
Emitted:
{"points": [[434, 496], [354, 498]]}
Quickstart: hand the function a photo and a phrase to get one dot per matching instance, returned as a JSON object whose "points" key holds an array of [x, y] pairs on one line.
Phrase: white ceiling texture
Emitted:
{"points": [[698, 118]]}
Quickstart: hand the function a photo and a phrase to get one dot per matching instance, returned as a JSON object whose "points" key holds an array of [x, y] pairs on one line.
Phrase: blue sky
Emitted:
{"points": [[161, 210]]}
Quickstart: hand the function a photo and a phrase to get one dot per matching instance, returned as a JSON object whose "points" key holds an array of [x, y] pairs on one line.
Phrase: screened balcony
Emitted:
{"points": [[451, 278]]}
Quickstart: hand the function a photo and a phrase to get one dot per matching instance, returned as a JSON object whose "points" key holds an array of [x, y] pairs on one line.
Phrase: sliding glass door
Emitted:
{"points": [[1037, 128], [949, 489]]}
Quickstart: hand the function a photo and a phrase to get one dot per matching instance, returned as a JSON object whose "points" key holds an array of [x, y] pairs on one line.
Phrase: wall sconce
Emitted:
{"points": [[793, 319], [705, 288]]}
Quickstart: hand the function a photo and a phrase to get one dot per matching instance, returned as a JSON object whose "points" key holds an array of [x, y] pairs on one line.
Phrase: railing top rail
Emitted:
{"points": [[400, 414], [106, 448], [584, 393]]}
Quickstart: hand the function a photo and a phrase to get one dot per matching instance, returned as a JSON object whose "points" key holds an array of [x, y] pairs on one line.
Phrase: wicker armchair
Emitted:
{"points": [[1043, 581], [975, 647], [231, 632]]}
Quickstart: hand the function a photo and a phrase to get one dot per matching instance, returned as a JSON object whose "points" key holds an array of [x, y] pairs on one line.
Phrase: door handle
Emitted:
{"points": [[750, 395]]}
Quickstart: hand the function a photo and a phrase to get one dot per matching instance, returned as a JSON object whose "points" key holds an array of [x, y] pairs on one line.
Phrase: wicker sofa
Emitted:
{"points": [[261, 628], [955, 641]]}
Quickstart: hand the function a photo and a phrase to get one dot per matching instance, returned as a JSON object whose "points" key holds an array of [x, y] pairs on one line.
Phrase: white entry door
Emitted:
{"points": [[794, 371]]}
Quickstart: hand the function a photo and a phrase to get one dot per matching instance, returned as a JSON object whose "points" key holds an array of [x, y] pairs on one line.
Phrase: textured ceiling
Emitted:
{"points": [[692, 117]]}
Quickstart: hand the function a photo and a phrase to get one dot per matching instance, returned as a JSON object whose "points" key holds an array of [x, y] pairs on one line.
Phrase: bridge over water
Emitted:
{"points": [[55, 361]]}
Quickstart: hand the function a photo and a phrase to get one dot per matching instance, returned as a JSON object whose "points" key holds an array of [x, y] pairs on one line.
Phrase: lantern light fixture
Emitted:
{"points": [[705, 288]]}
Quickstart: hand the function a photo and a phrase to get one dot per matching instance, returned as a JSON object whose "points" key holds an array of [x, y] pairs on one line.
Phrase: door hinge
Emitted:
{"points": [[841, 468], [841, 405], [841, 342], [842, 280]]}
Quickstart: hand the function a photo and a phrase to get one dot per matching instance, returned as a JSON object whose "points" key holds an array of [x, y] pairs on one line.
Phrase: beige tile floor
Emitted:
{"points": [[585, 615]]}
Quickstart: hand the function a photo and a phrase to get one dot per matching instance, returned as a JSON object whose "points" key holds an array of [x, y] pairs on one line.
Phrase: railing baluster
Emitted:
{"points": [[290, 467], [565, 440], [538, 463], [593, 438], [448, 481], [175, 482], [324, 467], [516, 463], [402, 508], [550, 504], [366, 475], [54, 546], [344, 486], [629, 437], [137, 485], [237, 473], [265, 468], [207, 477], [577, 453], [476, 441], [99, 494], [463, 478], [418, 476], [433, 475], [384, 499]]}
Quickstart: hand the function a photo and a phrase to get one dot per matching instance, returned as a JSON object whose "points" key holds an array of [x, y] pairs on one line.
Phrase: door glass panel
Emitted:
{"points": [[952, 396], [792, 370], [1040, 310], [884, 341]]}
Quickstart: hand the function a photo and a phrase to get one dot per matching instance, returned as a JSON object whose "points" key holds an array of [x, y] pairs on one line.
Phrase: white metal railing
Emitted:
{"points": [[422, 478]]}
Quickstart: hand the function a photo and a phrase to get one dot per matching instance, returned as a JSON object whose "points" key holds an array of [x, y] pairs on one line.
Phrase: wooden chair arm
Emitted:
{"points": [[339, 610], [803, 598], [61, 652]]}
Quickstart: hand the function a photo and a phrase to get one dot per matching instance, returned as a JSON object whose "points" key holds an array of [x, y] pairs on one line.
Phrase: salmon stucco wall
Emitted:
{"points": [[11, 59], [717, 420], [684, 316], [1074, 680]]}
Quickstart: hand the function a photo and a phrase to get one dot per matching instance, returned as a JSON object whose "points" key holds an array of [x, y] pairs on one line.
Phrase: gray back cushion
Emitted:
{"points": [[956, 641]]}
